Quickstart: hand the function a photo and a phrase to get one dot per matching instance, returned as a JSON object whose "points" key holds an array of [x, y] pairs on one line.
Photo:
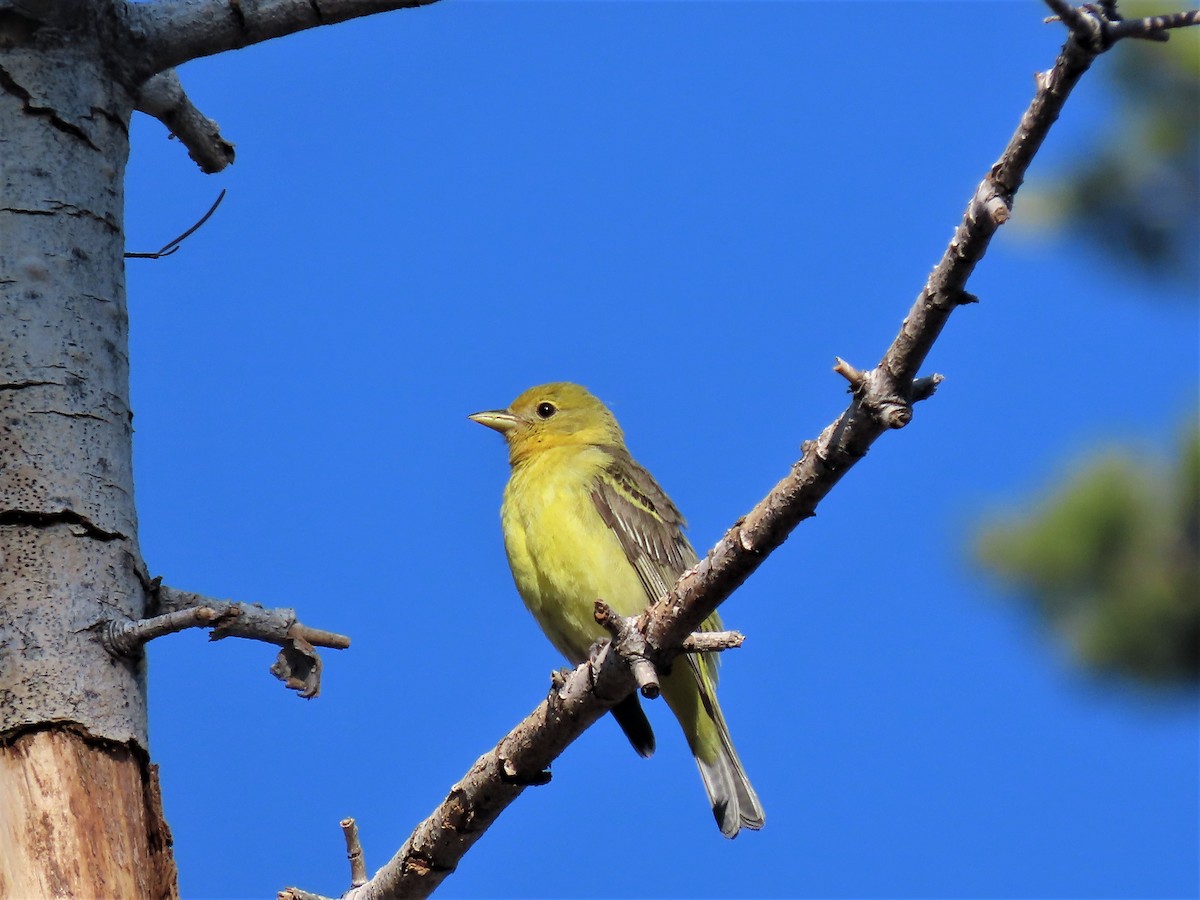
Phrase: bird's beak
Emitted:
{"points": [[500, 420]]}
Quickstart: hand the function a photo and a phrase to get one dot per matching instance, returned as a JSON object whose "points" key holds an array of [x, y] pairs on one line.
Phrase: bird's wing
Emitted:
{"points": [[650, 530]]}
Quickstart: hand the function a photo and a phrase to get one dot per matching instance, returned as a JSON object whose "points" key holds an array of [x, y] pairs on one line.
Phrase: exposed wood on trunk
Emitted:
{"points": [[69, 808]]}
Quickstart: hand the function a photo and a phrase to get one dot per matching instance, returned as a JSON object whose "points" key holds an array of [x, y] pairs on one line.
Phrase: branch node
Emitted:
{"points": [[630, 644], [895, 415], [1087, 24], [354, 853], [510, 775], [745, 539], [558, 678], [997, 209]]}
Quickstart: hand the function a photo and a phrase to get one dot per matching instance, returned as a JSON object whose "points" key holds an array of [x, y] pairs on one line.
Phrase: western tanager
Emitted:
{"points": [[582, 521]]}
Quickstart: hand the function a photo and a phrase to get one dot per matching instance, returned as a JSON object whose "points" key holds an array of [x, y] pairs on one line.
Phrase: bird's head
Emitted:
{"points": [[552, 415]]}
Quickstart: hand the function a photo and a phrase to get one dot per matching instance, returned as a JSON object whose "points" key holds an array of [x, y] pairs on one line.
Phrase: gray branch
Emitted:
{"points": [[712, 641], [354, 853], [167, 33], [1099, 25], [297, 665], [882, 399], [163, 97]]}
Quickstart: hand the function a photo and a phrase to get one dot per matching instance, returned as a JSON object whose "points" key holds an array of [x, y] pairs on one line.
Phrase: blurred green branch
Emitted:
{"points": [[1112, 562]]}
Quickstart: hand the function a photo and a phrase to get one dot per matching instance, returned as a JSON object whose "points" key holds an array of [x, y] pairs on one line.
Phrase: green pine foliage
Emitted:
{"points": [[1111, 561]]}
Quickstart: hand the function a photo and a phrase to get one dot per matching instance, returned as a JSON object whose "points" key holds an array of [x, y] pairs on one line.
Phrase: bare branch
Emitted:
{"points": [[1153, 27], [1098, 26], [124, 638], [249, 620], [297, 665], [883, 400], [354, 853], [168, 33], [498, 777], [163, 97]]}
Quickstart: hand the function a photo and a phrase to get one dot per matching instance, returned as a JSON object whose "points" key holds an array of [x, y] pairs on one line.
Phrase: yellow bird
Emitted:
{"points": [[582, 521]]}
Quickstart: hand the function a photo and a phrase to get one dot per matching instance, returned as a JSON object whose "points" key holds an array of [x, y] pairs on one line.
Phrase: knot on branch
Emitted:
{"points": [[879, 394], [1095, 27], [630, 644], [509, 774], [1087, 24]]}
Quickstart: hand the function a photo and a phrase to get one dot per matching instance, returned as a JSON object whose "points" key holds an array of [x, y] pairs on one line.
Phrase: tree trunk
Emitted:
{"points": [[79, 808], [80, 819]]}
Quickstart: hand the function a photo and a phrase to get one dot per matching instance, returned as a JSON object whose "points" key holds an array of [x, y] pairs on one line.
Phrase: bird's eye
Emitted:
{"points": [[546, 410]]}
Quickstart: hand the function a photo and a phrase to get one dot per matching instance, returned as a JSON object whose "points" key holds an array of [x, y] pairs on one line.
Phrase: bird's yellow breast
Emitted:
{"points": [[562, 554]]}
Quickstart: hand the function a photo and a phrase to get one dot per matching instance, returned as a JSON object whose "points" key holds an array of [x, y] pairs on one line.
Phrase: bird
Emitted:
{"points": [[583, 521]]}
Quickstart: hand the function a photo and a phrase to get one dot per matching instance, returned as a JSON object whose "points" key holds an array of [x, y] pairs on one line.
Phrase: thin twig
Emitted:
{"points": [[173, 245], [1153, 27], [847, 371], [712, 641]]}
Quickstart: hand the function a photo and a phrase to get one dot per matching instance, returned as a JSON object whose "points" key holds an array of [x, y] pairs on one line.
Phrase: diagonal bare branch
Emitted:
{"points": [[883, 399]]}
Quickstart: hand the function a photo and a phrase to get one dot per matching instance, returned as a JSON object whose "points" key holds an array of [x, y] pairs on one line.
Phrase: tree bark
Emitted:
{"points": [[80, 810]]}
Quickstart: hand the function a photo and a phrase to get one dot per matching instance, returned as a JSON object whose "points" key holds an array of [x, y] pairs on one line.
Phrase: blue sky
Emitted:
{"points": [[690, 208]]}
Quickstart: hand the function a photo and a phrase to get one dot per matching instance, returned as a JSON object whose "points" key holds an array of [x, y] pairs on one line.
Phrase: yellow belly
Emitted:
{"points": [[563, 557]]}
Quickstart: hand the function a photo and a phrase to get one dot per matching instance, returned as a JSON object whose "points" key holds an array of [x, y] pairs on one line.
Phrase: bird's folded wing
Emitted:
{"points": [[649, 528]]}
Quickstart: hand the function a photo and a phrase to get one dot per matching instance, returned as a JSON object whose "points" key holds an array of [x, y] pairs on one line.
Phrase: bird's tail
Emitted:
{"points": [[734, 803], [690, 691]]}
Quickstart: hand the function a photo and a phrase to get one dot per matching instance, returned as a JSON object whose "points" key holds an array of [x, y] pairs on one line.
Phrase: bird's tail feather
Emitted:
{"points": [[734, 803], [691, 693], [632, 719]]}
